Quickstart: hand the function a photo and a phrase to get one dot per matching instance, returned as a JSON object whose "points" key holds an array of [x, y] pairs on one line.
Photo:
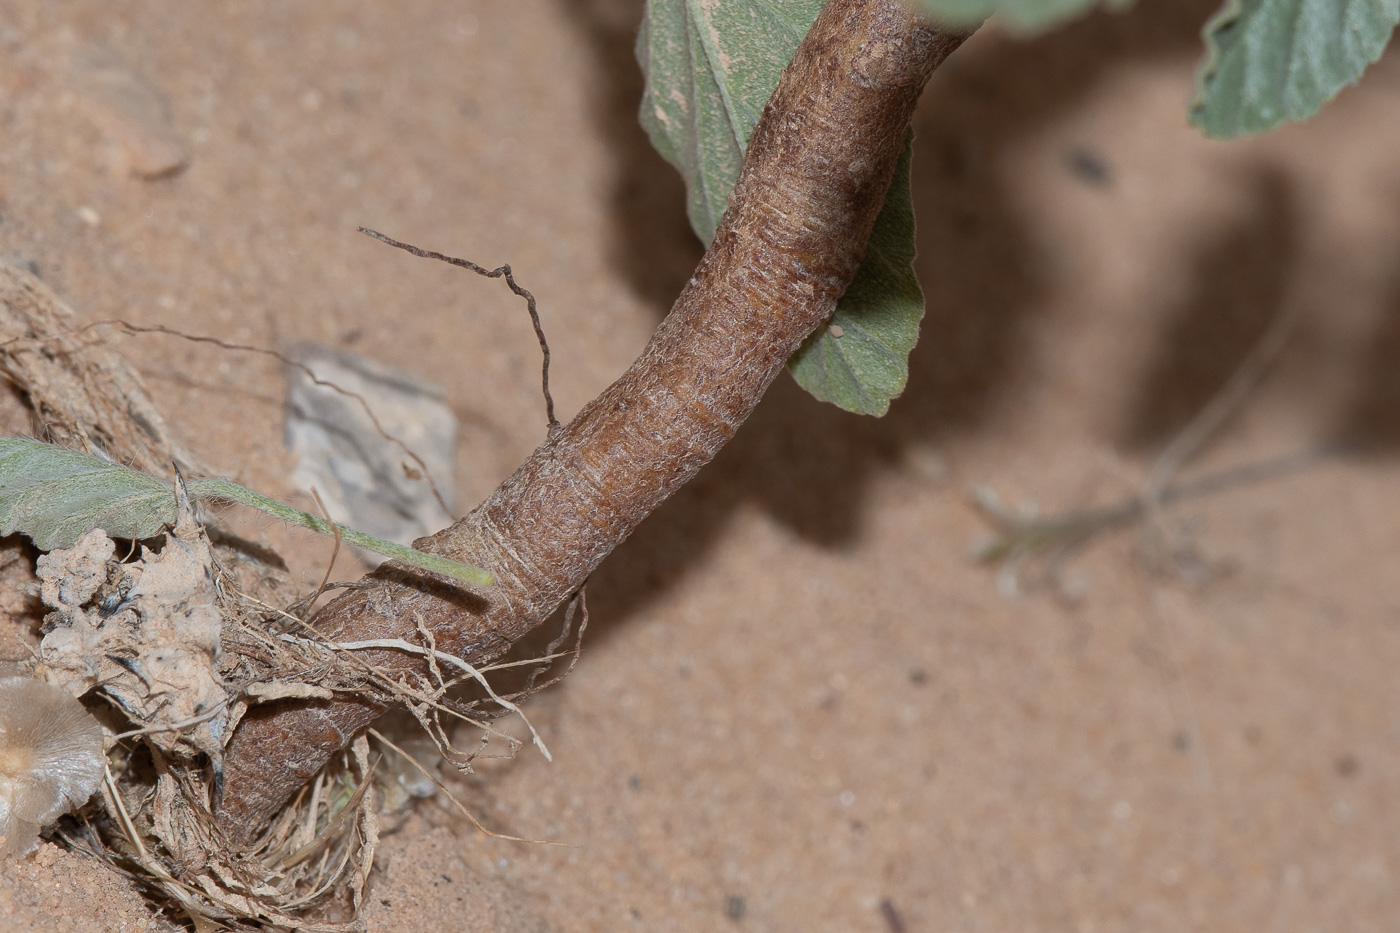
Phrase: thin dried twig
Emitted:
{"points": [[205, 716], [498, 272], [294, 364], [1023, 537], [335, 552], [111, 793], [579, 602], [82, 394], [1223, 406]]}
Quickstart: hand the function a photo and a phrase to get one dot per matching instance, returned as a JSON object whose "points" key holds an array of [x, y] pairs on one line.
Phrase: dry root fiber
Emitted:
{"points": [[82, 394], [147, 636], [171, 641]]}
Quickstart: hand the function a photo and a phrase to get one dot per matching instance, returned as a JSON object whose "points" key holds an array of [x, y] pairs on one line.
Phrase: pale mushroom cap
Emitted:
{"points": [[51, 759]]}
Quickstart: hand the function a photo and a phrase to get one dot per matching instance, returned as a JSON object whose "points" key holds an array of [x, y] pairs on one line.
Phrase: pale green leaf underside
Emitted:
{"points": [[1021, 15], [1272, 61], [55, 496], [711, 66]]}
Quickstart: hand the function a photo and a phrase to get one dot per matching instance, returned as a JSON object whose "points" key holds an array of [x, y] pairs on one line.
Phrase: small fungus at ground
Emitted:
{"points": [[51, 759]]}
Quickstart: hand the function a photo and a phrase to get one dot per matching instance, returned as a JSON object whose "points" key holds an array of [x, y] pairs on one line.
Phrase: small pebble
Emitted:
{"points": [[1089, 167], [130, 109], [891, 915]]}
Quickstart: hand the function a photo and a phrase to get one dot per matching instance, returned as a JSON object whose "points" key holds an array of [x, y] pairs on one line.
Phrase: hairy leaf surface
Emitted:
{"points": [[55, 496], [711, 66], [1272, 61]]}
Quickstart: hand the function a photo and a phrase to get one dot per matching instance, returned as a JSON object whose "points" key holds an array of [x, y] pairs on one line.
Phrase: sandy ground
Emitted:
{"points": [[801, 705]]}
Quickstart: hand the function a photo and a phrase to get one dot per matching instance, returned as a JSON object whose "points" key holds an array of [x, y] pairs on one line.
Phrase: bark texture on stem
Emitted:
{"points": [[815, 176]]}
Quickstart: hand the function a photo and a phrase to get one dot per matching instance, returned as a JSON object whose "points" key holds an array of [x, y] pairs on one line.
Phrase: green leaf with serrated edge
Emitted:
{"points": [[711, 66], [55, 496], [1024, 16], [1272, 61]]}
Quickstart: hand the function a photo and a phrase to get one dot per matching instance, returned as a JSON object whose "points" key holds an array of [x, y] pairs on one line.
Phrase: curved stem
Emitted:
{"points": [[814, 178]]}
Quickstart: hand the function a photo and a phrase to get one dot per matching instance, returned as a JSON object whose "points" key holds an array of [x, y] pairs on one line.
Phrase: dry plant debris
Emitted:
{"points": [[1023, 536], [173, 640], [178, 646], [147, 636], [149, 632], [82, 393]]}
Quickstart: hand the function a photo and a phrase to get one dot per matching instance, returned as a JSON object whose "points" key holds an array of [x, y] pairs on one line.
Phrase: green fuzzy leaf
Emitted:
{"points": [[1272, 61], [711, 66], [55, 496], [1025, 16]]}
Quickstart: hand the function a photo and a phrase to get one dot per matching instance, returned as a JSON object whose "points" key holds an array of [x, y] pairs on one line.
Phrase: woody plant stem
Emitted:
{"points": [[813, 181]]}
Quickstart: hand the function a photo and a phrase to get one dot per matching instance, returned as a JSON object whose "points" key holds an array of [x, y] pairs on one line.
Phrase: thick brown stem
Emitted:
{"points": [[814, 178]]}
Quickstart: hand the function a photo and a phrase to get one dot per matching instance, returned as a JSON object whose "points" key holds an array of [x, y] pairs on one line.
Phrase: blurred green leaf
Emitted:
{"points": [[1024, 16], [710, 68], [1272, 61]]}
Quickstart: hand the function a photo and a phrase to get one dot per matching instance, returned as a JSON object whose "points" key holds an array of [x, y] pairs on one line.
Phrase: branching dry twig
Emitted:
{"points": [[498, 272], [294, 364], [1021, 538], [1221, 408]]}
